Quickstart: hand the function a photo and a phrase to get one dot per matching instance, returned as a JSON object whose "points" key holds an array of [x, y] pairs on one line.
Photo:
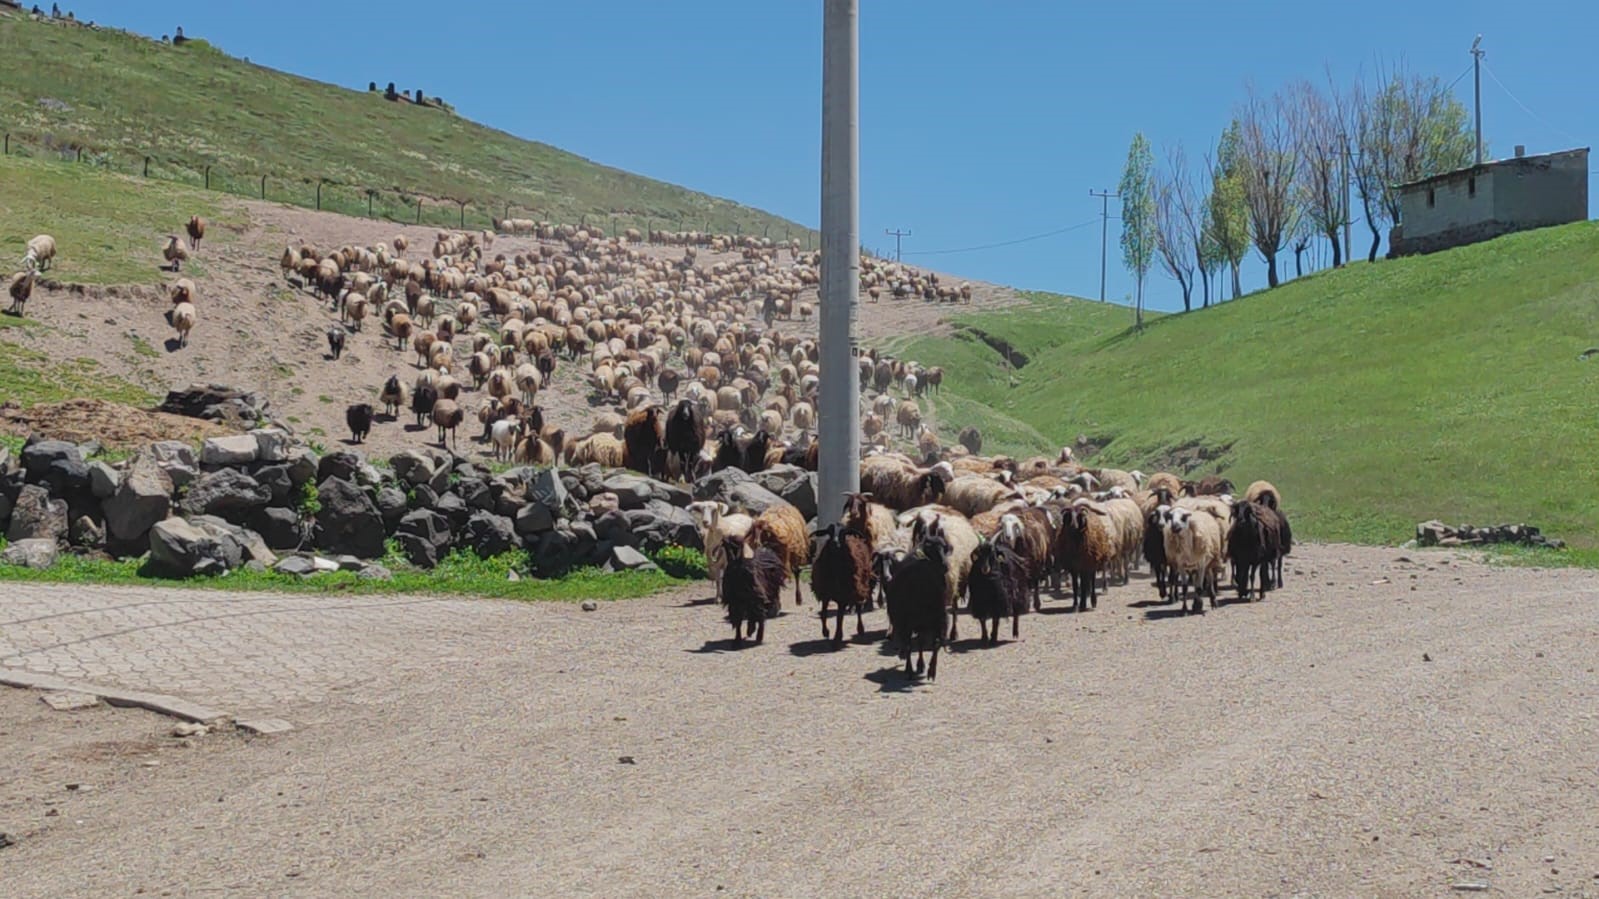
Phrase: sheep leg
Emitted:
{"points": [[738, 632], [860, 625], [838, 630], [798, 599], [824, 617], [921, 662], [932, 667], [954, 626], [760, 631], [1015, 626]]}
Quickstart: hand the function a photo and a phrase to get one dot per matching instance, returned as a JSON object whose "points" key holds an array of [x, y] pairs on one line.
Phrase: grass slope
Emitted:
{"points": [[122, 97], [1442, 386]]}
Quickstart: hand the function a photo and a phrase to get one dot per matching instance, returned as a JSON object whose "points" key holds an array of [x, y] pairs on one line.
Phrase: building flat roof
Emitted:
{"points": [[1493, 163]]}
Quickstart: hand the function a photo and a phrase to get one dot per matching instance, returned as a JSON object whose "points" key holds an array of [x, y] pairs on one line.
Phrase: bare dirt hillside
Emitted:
{"points": [[257, 332]]}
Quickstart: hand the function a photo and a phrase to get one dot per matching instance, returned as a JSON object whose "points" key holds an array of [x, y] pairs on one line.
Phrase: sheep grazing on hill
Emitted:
{"points": [[751, 587], [392, 396], [1264, 493], [998, 588], [909, 418], [1195, 552], [782, 528], [183, 291], [685, 436], [917, 613], [842, 575], [400, 326], [174, 253], [1213, 485], [20, 289], [504, 434], [643, 437], [972, 439], [899, 485], [447, 416], [335, 342], [40, 254], [183, 320], [359, 418], [196, 229]]}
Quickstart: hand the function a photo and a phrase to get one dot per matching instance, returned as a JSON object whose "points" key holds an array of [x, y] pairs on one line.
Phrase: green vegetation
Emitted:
{"points": [[108, 230], [462, 574], [120, 98], [33, 377], [682, 562], [1444, 386], [143, 347]]}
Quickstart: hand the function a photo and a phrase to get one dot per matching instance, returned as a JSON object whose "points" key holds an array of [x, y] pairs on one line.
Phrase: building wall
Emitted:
{"points": [[1453, 204], [1552, 191]]}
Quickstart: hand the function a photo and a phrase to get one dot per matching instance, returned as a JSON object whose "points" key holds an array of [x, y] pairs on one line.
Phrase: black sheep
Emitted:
{"points": [[1254, 543], [728, 453], [336, 341], [1155, 548], [393, 395], [546, 366], [422, 401], [685, 436], [841, 573], [752, 588], [755, 453], [916, 610], [359, 418], [997, 588]]}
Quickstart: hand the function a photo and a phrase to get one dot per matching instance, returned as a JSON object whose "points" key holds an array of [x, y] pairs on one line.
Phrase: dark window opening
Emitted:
{"points": [[1471, 187], [1432, 198]]}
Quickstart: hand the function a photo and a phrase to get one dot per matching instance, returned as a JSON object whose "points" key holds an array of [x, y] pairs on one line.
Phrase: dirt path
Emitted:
{"points": [[1382, 727], [255, 332]]}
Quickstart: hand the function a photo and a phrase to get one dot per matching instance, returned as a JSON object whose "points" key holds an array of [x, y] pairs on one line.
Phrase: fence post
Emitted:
{"points": [[146, 166], [419, 210], [263, 187], [207, 177], [80, 154], [507, 212], [319, 195], [463, 214], [8, 143], [369, 193]]}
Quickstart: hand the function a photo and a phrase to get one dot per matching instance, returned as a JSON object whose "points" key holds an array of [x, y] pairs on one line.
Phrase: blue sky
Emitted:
{"points": [[981, 122]]}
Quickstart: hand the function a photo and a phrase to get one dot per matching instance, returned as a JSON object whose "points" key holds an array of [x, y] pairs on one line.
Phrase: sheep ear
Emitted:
{"points": [[1099, 512]]}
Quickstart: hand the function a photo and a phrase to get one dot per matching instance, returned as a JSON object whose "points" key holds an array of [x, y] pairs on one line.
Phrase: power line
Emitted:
{"points": [[1460, 76], [1003, 243], [1545, 122]]}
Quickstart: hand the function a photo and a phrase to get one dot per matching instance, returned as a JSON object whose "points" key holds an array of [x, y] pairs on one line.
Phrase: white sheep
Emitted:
{"points": [[716, 525], [40, 255], [183, 319], [1193, 539]]}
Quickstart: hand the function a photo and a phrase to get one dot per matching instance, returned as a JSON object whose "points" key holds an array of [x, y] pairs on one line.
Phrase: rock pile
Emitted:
{"points": [[1436, 533], [251, 498]]}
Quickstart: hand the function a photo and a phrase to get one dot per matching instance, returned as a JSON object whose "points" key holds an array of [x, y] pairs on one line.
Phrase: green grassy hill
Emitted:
{"points": [[120, 97], [1442, 386]]}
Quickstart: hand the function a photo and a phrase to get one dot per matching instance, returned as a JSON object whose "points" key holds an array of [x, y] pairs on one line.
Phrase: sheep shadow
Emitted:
{"points": [[1150, 603], [351, 441], [1063, 609], [691, 603], [715, 647], [413, 428], [1162, 614], [172, 345], [384, 418], [976, 644], [893, 680]]}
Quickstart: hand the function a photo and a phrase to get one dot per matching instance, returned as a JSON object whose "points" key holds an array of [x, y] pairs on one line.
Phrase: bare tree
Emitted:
{"points": [[1320, 142], [1176, 232], [1270, 168], [1405, 129]]}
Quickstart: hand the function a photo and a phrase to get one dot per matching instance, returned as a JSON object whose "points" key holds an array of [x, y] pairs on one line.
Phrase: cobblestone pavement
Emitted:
{"points": [[241, 652]]}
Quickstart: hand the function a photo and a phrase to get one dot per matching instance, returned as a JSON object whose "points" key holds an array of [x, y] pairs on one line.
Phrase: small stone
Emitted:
{"points": [[7, 839], [1470, 887], [512, 576], [150, 763], [590, 605], [1425, 657], [626, 760], [69, 700], [79, 788], [189, 729]]}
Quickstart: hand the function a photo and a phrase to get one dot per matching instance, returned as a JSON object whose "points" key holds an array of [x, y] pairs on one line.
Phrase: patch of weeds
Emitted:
{"points": [[681, 562], [308, 503], [324, 398], [143, 347]]}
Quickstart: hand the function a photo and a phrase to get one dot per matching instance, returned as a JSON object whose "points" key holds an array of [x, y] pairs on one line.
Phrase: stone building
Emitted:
{"points": [[1482, 202]]}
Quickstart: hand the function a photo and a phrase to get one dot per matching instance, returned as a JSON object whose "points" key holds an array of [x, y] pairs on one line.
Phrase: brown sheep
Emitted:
{"points": [[196, 229], [447, 416], [644, 440], [782, 528]]}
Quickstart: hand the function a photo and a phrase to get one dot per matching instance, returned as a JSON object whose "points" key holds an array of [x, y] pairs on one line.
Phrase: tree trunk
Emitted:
{"points": [[1138, 314], [1299, 268], [1376, 235], [1238, 289], [1338, 251], [1271, 269], [1204, 280]]}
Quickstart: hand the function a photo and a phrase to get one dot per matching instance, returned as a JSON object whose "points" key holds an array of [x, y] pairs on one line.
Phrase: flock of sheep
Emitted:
{"points": [[993, 532]]}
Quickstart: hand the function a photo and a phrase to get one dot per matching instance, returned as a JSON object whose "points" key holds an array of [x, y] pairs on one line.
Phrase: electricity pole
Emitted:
{"points": [[1105, 197], [838, 465], [1476, 65], [896, 234]]}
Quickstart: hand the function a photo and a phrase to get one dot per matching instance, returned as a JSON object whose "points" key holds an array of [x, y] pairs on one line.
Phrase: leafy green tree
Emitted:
{"points": [[1228, 223], [1138, 217]]}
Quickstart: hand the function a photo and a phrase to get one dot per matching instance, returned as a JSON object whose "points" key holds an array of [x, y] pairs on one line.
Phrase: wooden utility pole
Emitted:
{"points": [[896, 234]]}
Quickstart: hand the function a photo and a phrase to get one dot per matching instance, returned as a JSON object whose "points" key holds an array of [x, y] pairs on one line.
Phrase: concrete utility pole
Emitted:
{"points": [[839, 470], [896, 234], [1105, 197], [1476, 65]]}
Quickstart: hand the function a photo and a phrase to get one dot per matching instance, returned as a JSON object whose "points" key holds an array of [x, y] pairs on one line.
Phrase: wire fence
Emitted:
{"points": [[387, 204]]}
